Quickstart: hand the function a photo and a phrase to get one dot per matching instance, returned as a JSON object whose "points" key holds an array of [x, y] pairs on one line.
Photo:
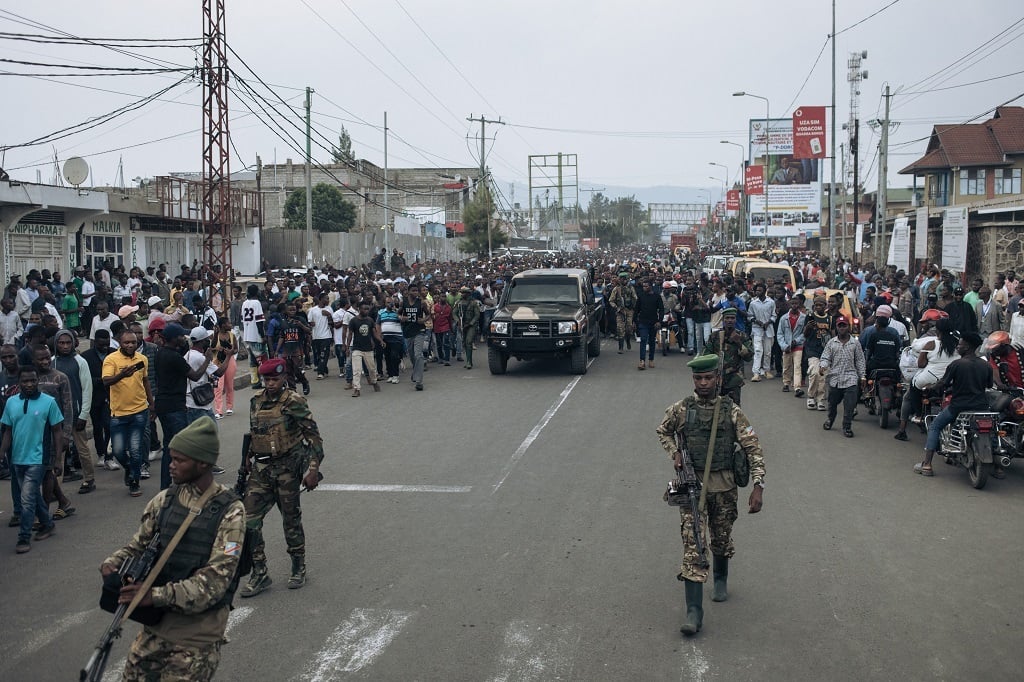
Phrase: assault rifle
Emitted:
{"points": [[685, 492], [243, 469], [132, 571]]}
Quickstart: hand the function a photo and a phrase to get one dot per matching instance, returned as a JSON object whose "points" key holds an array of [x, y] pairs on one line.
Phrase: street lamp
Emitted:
{"points": [[767, 119], [725, 190], [741, 219]]}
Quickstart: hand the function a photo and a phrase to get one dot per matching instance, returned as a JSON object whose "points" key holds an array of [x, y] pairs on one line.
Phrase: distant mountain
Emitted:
{"points": [[658, 194]]}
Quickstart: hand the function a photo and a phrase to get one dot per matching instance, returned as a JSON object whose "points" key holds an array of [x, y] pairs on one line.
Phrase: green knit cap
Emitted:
{"points": [[198, 441]]}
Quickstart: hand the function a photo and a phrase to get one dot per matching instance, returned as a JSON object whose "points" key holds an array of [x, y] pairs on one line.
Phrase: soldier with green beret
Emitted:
{"points": [[735, 348], [692, 419], [623, 302]]}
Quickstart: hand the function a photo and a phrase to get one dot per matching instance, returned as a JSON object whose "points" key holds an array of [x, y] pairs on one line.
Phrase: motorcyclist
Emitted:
{"points": [[936, 349], [1005, 360], [967, 379], [670, 320], [882, 345]]}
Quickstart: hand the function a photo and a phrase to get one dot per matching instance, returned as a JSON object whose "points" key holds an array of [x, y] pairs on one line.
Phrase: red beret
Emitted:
{"points": [[273, 367]]}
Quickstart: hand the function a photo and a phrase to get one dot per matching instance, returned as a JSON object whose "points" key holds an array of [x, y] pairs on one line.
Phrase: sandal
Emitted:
{"points": [[63, 513], [923, 469], [87, 487]]}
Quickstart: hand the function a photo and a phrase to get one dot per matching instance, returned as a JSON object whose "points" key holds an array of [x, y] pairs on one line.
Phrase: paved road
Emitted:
{"points": [[530, 542]]}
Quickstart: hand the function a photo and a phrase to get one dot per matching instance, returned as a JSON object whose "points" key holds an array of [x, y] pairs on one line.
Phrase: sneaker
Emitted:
{"points": [[901, 435], [71, 476], [305, 388], [341, 375], [218, 416], [769, 375], [447, 364], [419, 387], [811, 404], [111, 464], [15, 521], [799, 393], [229, 412], [785, 388], [319, 377], [45, 532], [756, 378], [154, 455], [87, 487], [134, 489], [22, 547], [144, 472]]}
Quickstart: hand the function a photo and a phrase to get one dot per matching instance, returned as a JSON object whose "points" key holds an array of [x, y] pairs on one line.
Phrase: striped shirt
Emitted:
{"points": [[844, 361]]}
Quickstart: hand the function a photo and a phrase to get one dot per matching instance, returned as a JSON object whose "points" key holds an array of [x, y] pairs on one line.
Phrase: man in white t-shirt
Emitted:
{"points": [[254, 332], [322, 322], [196, 358], [102, 320]]}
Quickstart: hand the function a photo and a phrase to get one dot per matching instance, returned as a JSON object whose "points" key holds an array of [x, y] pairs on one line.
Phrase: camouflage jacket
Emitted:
{"points": [[733, 357], [188, 620], [718, 481], [297, 416], [466, 312], [623, 297]]}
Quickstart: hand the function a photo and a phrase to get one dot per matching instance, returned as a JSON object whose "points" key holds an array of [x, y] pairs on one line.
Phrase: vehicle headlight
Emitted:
{"points": [[566, 327], [499, 327]]}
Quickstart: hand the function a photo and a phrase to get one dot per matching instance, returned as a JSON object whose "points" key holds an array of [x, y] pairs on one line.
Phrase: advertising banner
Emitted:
{"points": [[954, 239], [809, 133], [921, 234], [732, 200], [899, 245], [753, 180], [791, 203], [858, 239]]}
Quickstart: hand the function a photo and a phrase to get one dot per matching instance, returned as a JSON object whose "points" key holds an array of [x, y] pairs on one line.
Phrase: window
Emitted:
{"points": [[1007, 181], [972, 181], [100, 249]]}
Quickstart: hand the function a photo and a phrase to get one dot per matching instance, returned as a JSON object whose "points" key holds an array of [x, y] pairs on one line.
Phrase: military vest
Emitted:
{"points": [[193, 550], [697, 431], [267, 424]]}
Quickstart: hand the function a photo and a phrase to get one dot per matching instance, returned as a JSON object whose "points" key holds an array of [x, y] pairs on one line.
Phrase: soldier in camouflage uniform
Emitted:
{"points": [[196, 585], [466, 312], [735, 348], [623, 302], [286, 452], [691, 418]]}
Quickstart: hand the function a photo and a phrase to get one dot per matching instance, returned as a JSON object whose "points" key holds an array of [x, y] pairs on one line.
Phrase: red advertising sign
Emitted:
{"points": [[753, 180], [732, 200], [809, 133], [590, 243]]}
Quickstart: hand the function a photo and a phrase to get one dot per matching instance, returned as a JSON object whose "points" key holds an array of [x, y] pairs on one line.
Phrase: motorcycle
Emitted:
{"points": [[884, 394], [967, 443], [1009, 404], [668, 332]]}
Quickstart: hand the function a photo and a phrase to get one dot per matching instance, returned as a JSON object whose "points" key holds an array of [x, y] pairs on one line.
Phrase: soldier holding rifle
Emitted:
{"points": [[700, 434]]}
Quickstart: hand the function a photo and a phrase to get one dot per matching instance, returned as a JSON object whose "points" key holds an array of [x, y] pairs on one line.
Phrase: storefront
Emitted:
{"points": [[103, 241], [38, 246]]}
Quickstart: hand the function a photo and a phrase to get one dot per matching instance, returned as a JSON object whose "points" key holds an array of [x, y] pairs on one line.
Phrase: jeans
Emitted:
{"points": [[171, 423], [128, 441], [848, 397], [762, 339], [30, 479], [697, 335], [393, 354], [444, 351], [339, 355], [648, 340], [941, 421], [416, 346], [194, 413], [322, 351]]}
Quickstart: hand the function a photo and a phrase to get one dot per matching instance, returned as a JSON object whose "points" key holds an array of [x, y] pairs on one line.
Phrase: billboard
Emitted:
{"points": [[954, 238], [809, 133], [753, 180], [792, 187], [732, 200]]}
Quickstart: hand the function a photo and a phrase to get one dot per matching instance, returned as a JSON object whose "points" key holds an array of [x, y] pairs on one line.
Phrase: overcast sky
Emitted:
{"points": [[595, 67]]}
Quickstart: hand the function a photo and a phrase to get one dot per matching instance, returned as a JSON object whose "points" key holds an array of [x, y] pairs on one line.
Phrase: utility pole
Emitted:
{"points": [[842, 154], [309, 182], [483, 121], [883, 177], [386, 216], [832, 163], [854, 145]]}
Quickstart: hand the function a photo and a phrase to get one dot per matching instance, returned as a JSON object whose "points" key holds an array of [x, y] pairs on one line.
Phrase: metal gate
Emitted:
{"points": [[170, 250], [39, 252]]}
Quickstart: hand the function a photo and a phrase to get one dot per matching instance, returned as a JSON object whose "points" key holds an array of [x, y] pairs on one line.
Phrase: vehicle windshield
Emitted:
{"points": [[768, 274], [544, 290]]}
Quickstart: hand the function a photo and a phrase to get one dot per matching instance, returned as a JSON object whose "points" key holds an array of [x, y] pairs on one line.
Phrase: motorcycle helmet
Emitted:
{"points": [[996, 339]]}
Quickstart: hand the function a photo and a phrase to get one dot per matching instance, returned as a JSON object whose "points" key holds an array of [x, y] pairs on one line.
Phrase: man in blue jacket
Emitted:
{"points": [[789, 334]]}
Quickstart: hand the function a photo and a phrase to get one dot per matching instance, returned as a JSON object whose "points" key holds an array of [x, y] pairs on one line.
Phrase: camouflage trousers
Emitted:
{"points": [[716, 521], [278, 484], [154, 659], [623, 324]]}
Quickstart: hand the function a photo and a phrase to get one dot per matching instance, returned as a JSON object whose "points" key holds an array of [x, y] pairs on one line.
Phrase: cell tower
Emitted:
{"points": [[216, 152], [854, 75]]}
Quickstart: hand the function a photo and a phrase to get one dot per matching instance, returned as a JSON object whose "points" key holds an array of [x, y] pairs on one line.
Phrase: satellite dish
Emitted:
{"points": [[76, 170]]}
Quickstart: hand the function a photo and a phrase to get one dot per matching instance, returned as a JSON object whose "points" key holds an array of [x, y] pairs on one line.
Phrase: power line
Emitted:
{"points": [[653, 134], [873, 14], [141, 43], [967, 122], [964, 85], [813, 66], [127, 69]]}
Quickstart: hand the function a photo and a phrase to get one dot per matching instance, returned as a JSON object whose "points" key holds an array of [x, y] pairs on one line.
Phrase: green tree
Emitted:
{"points": [[342, 153], [331, 212], [474, 217]]}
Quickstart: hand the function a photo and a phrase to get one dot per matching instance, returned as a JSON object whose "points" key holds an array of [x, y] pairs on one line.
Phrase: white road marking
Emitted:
{"points": [[534, 432], [237, 615], [46, 635], [397, 488], [696, 665], [536, 652], [357, 642]]}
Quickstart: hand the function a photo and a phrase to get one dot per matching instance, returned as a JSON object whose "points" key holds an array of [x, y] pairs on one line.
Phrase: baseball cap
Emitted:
{"points": [[841, 319], [173, 331], [126, 310], [153, 300], [157, 325], [200, 334], [883, 311]]}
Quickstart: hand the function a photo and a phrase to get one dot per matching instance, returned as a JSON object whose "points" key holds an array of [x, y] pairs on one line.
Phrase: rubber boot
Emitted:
{"points": [[259, 580], [721, 572], [694, 608], [298, 577]]}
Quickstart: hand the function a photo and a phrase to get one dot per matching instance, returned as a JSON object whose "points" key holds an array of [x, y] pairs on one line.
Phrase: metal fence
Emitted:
{"points": [[287, 248]]}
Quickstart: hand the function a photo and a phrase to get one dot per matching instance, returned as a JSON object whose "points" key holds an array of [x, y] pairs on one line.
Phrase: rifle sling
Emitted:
{"points": [[166, 554], [711, 450]]}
